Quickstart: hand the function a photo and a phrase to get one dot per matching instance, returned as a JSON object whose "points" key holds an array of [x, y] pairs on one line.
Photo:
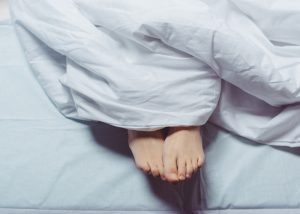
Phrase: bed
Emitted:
{"points": [[50, 164]]}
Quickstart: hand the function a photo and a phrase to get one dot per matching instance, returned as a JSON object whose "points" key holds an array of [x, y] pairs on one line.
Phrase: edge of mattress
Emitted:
{"points": [[224, 211]]}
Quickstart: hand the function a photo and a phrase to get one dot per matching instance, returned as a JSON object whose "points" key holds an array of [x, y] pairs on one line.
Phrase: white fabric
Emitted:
{"points": [[150, 64], [51, 165], [4, 12], [129, 82]]}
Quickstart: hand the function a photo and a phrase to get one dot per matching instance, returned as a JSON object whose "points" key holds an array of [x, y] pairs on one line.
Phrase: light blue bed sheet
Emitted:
{"points": [[50, 164]]}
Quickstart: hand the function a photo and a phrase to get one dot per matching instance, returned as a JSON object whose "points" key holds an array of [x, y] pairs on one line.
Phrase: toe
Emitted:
{"points": [[171, 177], [195, 164], [200, 161], [155, 171], [161, 171], [170, 168], [189, 168], [181, 169], [144, 166]]}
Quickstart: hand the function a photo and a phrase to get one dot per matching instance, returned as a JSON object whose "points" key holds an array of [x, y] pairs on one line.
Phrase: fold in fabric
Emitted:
{"points": [[152, 64], [127, 80]]}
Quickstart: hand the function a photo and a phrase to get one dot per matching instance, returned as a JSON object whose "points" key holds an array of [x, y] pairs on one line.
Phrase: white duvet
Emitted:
{"points": [[148, 64]]}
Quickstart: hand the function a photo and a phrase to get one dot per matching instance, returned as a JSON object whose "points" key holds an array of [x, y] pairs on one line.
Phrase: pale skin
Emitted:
{"points": [[173, 158]]}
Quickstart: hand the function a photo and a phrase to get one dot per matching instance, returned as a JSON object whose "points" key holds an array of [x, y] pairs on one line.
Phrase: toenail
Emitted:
{"points": [[181, 177], [200, 161], [172, 179], [155, 174]]}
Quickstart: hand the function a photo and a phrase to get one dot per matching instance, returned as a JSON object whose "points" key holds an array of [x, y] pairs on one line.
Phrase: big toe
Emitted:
{"points": [[189, 168], [170, 169], [171, 176]]}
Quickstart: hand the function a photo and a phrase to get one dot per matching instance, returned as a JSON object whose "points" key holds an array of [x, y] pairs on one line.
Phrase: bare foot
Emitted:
{"points": [[182, 153], [147, 149]]}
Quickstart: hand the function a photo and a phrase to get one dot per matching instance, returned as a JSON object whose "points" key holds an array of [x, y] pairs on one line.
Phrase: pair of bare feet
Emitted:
{"points": [[174, 157]]}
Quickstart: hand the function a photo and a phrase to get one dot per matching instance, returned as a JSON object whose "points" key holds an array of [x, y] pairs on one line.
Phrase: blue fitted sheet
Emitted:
{"points": [[50, 164]]}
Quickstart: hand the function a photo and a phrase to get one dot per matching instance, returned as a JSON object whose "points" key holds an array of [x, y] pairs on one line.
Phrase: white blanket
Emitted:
{"points": [[4, 12], [148, 64]]}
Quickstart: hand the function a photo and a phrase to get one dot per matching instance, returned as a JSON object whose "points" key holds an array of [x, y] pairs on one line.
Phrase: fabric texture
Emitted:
{"points": [[120, 78], [151, 64], [53, 165]]}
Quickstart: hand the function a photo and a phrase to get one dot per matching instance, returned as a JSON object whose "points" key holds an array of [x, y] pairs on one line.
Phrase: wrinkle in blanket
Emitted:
{"points": [[152, 64]]}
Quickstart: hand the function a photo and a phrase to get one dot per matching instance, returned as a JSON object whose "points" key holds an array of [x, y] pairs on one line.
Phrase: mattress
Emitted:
{"points": [[50, 164]]}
